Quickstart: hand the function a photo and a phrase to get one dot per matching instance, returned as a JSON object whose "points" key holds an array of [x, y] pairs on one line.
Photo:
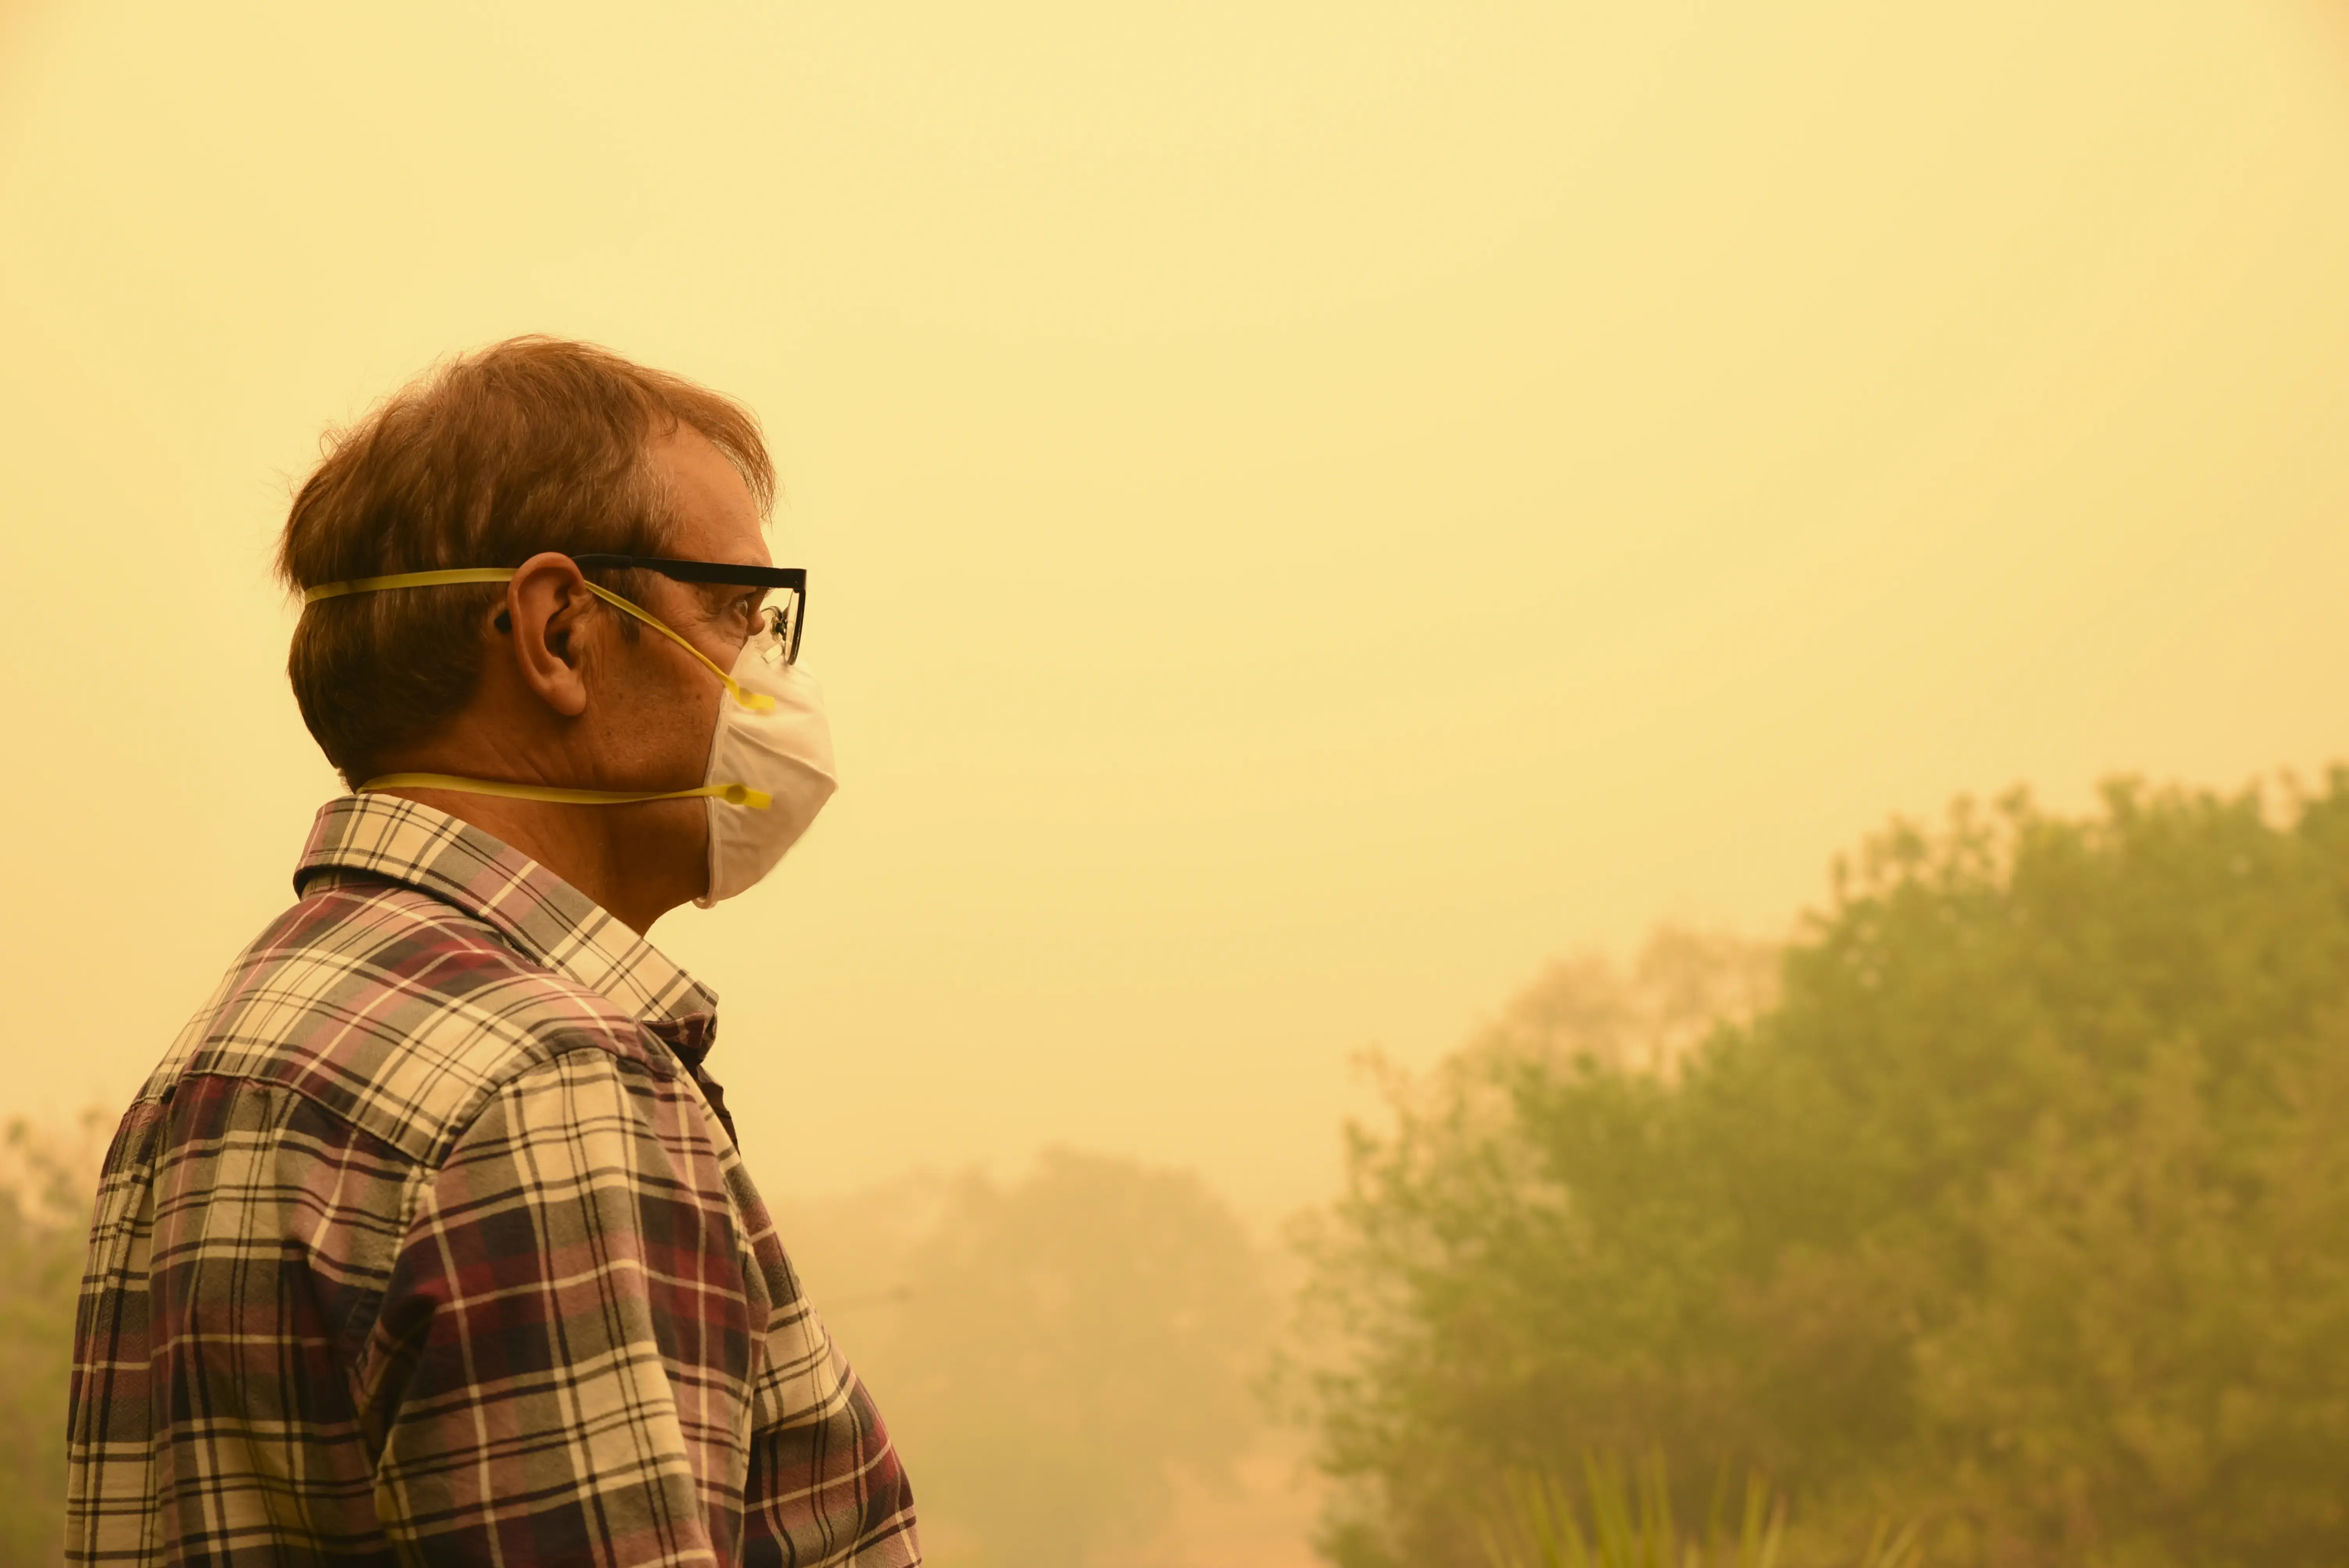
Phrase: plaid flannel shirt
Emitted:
{"points": [[428, 1243]]}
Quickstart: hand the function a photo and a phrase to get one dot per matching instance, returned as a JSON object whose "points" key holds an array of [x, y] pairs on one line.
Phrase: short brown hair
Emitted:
{"points": [[531, 444]]}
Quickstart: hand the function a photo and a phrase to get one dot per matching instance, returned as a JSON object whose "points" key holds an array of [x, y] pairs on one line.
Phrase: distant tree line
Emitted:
{"points": [[1063, 1358], [2017, 1211]]}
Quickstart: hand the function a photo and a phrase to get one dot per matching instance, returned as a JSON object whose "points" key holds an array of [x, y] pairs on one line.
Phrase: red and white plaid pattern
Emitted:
{"points": [[428, 1242]]}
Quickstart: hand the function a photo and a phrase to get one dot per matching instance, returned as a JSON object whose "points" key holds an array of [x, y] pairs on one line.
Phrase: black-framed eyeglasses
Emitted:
{"points": [[788, 620]]}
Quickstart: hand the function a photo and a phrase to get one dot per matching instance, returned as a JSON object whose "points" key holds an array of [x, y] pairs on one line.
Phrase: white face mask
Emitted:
{"points": [[783, 751]]}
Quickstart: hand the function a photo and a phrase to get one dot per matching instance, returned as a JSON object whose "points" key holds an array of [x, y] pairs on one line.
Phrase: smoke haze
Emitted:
{"points": [[1314, 511]]}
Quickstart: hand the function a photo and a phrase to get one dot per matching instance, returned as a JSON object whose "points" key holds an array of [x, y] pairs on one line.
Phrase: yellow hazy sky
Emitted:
{"points": [[1312, 507]]}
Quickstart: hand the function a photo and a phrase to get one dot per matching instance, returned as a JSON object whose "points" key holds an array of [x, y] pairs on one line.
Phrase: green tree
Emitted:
{"points": [[2021, 1212]]}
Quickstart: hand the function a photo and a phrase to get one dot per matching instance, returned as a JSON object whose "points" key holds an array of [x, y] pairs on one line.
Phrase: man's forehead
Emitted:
{"points": [[713, 512]]}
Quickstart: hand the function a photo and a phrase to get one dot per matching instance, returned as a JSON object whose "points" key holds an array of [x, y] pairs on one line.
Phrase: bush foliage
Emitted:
{"points": [[2021, 1212]]}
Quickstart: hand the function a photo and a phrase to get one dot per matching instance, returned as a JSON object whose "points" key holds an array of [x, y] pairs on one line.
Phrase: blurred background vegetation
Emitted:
{"points": [[48, 1176], [2019, 1215], [1999, 1219]]}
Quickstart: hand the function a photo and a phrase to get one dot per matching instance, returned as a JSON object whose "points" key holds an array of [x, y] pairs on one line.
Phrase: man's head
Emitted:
{"points": [[523, 455], [530, 446]]}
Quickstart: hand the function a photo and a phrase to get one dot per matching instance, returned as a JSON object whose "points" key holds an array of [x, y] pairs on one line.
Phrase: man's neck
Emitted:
{"points": [[596, 848]]}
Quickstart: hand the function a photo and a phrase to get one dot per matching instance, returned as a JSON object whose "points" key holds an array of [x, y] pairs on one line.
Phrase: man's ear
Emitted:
{"points": [[545, 604]]}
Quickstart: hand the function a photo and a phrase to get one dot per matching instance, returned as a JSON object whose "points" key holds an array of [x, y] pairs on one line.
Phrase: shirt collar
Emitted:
{"points": [[538, 911]]}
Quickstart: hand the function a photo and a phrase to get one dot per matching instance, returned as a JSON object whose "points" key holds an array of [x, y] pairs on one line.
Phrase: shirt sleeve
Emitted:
{"points": [[561, 1367], [826, 1485]]}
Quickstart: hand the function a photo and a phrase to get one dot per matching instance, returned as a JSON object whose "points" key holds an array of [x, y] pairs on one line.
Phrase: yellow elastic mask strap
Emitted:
{"points": [[758, 702], [407, 579], [732, 794]]}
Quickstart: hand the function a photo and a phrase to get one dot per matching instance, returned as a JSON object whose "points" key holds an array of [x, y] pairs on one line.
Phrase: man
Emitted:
{"points": [[428, 1242]]}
